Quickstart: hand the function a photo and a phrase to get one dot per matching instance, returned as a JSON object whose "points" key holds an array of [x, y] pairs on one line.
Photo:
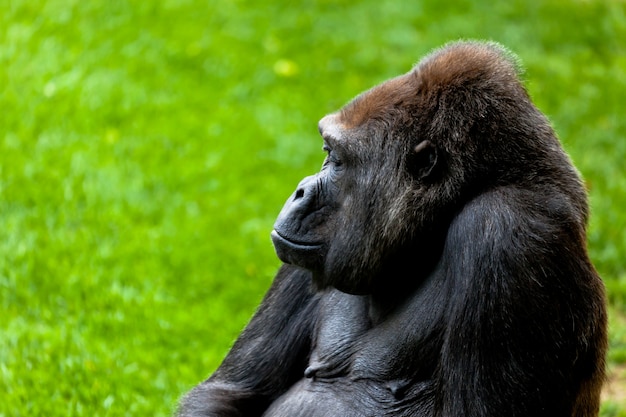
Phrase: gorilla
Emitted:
{"points": [[435, 266]]}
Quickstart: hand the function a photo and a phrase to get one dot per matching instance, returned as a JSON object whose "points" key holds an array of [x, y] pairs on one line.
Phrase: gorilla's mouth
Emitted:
{"points": [[294, 245], [308, 255]]}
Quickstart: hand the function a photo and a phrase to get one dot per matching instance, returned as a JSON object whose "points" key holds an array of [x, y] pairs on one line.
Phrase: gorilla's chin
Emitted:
{"points": [[303, 254]]}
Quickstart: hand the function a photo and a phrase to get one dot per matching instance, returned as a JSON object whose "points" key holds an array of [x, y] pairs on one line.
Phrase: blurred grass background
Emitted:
{"points": [[147, 146]]}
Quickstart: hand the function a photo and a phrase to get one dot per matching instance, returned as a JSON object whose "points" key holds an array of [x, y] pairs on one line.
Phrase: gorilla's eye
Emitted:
{"points": [[331, 157]]}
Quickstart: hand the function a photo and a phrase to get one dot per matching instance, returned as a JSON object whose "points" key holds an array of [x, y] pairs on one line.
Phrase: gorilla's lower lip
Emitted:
{"points": [[277, 237], [308, 255]]}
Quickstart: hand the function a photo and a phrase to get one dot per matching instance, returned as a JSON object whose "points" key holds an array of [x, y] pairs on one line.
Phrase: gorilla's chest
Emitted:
{"points": [[348, 344], [356, 365]]}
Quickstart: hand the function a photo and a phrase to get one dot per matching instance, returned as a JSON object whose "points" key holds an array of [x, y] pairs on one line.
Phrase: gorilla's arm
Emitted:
{"points": [[267, 358], [520, 338]]}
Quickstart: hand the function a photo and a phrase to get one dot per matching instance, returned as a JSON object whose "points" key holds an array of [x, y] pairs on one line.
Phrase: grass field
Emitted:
{"points": [[147, 146]]}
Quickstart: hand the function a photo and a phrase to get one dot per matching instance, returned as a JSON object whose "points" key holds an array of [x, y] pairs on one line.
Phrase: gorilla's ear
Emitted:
{"points": [[423, 160]]}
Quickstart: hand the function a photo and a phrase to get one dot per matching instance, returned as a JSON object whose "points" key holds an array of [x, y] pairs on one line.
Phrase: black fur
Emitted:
{"points": [[435, 266]]}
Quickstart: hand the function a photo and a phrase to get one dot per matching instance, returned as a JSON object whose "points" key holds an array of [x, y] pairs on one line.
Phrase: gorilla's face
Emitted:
{"points": [[346, 222]]}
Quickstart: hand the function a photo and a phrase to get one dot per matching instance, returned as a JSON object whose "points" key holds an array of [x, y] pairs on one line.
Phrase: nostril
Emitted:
{"points": [[299, 194]]}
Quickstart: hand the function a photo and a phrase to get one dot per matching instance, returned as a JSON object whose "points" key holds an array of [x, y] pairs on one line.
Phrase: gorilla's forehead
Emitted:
{"points": [[345, 127], [339, 135], [330, 128]]}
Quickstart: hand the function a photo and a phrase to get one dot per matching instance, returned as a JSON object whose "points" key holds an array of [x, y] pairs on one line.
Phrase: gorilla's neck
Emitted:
{"points": [[400, 279], [384, 301]]}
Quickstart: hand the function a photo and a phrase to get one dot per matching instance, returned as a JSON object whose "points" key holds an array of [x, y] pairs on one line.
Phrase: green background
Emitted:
{"points": [[147, 146]]}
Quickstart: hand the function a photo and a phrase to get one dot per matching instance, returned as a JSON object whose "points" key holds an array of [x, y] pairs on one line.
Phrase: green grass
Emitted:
{"points": [[147, 146]]}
